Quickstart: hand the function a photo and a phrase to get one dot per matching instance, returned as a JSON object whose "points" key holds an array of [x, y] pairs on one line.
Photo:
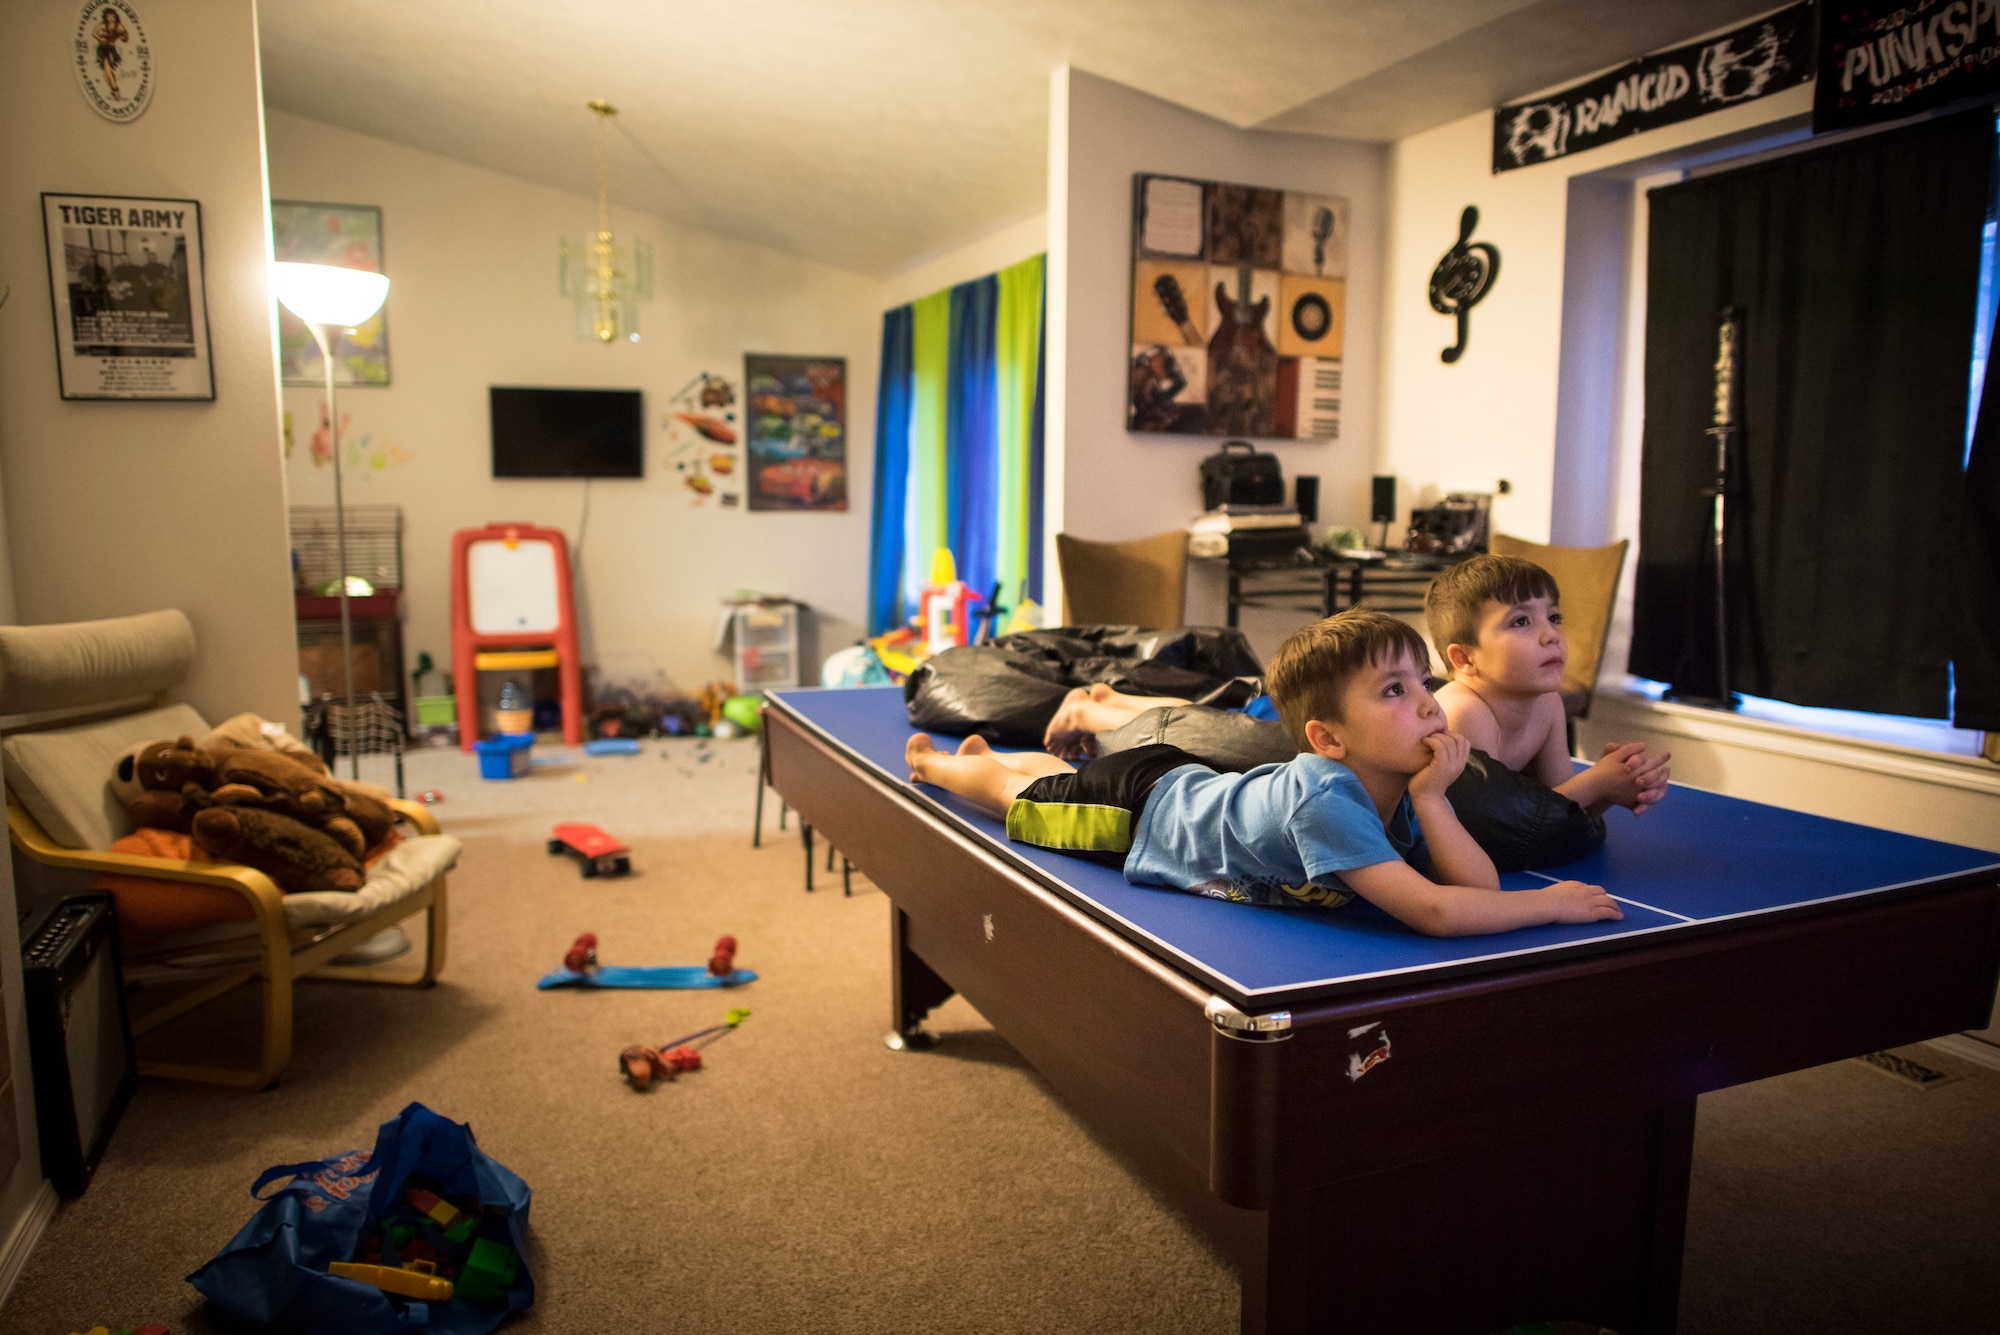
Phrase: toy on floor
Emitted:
{"points": [[720, 971], [600, 854], [641, 1063], [416, 1280], [430, 1249]]}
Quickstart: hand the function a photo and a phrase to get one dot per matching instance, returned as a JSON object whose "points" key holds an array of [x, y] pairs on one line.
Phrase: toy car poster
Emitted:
{"points": [[796, 413]]}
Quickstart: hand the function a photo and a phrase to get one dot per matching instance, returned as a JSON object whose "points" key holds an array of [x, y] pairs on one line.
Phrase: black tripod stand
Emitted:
{"points": [[1722, 431]]}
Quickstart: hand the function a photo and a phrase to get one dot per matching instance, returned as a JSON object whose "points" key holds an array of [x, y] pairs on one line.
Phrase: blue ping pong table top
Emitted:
{"points": [[1696, 860]]}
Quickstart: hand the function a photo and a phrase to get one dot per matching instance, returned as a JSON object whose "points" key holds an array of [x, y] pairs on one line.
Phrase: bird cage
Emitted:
{"points": [[374, 545]]}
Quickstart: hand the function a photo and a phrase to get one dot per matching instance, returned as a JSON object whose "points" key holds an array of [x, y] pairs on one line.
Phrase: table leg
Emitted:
{"points": [[1581, 1224], [914, 988], [763, 781], [1235, 595]]}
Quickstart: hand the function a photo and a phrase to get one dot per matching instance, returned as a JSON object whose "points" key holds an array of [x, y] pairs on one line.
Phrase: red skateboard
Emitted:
{"points": [[600, 854]]}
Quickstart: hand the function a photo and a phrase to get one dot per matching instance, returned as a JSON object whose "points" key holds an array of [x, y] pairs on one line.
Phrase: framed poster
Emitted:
{"points": [[795, 410], [349, 236], [1239, 305], [131, 313]]}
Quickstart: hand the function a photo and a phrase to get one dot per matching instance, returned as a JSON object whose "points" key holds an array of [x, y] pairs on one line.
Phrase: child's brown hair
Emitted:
{"points": [[1458, 596], [1312, 668]]}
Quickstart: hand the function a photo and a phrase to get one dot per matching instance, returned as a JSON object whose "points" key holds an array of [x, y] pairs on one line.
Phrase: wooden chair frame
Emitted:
{"points": [[284, 954]]}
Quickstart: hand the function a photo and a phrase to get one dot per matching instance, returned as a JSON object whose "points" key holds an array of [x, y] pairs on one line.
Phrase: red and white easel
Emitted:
{"points": [[512, 610]]}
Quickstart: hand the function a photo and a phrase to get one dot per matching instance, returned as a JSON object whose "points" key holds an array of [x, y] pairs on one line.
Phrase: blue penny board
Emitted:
{"points": [[657, 975], [1696, 859]]}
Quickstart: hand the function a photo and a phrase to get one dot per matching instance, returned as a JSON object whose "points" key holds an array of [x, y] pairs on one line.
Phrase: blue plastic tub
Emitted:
{"points": [[505, 756]]}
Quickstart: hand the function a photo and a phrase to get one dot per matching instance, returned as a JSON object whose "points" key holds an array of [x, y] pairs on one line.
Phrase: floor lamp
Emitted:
{"points": [[328, 297]]}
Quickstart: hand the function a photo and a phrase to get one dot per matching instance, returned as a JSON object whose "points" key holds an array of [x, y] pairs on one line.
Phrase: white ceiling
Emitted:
{"points": [[872, 133]]}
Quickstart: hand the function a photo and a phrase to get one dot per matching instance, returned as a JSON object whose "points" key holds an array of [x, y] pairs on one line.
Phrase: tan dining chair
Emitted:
{"points": [[1139, 583]]}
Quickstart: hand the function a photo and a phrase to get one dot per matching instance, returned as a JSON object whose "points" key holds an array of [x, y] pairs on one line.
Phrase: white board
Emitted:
{"points": [[513, 590]]}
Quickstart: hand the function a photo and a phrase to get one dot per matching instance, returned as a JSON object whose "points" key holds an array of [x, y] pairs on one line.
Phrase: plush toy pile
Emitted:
{"points": [[251, 794]]}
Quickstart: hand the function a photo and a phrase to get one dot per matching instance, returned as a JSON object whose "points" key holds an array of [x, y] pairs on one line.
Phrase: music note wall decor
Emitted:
{"points": [[1462, 279], [1238, 309]]}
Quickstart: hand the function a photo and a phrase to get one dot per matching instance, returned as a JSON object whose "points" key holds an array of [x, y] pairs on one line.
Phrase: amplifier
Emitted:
{"points": [[79, 1036]]}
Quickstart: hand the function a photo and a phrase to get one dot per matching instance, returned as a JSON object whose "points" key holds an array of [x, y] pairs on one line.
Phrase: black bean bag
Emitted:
{"points": [[1007, 691]]}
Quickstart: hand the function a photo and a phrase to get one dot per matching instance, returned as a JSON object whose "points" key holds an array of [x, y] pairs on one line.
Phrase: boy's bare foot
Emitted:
{"points": [[1068, 735], [975, 745], [915, 752]]}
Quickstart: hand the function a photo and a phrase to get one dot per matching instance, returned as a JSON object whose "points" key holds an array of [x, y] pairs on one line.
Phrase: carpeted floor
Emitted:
{"points": [[811, 1180]]}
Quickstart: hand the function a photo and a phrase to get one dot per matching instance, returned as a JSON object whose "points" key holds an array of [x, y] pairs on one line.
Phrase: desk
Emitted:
{"points": [[1391, 1132], [1312, 579]]}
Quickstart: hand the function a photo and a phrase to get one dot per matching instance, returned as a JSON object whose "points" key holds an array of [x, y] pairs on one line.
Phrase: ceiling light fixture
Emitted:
{"points": [[606, 278]]}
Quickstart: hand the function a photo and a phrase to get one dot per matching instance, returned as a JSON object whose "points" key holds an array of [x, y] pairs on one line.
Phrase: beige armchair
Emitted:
{"points": [[74, 697]]}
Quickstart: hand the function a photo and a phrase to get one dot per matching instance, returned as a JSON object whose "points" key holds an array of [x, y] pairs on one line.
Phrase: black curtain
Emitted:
{"points": [[1976, 649], [1856, 269]]}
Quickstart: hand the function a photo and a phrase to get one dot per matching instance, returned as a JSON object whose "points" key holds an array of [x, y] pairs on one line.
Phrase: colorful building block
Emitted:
{"points": [[419, 1280], [442, 1211], [488, 1272]]}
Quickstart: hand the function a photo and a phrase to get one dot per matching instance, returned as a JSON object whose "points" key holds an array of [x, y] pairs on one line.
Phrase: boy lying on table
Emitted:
{"points": [[1358, 812]]}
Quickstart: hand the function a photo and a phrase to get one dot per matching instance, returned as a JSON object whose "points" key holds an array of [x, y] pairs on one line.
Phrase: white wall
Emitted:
{"points": [[1117, 485], [471, 255], [114, 508], [989, 252], [1493, 414]]}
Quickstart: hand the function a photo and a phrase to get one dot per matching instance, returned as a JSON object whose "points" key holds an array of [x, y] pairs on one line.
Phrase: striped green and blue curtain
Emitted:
{"points": [[958, 442]]}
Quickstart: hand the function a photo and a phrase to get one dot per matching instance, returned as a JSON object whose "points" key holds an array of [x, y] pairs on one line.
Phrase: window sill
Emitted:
{"points": [[1628, 704]]}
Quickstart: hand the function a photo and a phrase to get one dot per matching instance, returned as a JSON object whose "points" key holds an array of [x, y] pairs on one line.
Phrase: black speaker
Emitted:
{"points": [[1305, 498], [79, 1036], [1382, 505]]}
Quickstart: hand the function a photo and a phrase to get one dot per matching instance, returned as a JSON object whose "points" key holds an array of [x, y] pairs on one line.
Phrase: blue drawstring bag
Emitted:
{"points": [[273, 1274]]}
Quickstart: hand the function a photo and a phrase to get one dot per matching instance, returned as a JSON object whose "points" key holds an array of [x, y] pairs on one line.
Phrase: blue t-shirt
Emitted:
{"points": [[1278, 834]]}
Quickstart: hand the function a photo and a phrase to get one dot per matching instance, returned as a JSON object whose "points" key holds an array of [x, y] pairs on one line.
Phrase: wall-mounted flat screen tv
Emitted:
{"points": [[568, 432]]}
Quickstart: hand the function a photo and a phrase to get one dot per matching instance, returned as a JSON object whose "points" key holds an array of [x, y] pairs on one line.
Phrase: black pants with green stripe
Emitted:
{"points": [[1094, 811]]}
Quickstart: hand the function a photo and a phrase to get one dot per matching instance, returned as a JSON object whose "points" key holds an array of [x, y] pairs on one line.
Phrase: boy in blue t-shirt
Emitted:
{"points": [[1362, 803]]}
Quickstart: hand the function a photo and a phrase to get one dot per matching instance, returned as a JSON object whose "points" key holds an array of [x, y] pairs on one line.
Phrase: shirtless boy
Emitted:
{"points": [[1497, 620]]}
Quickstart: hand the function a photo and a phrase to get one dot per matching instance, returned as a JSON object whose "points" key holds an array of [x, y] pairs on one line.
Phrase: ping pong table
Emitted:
{"points": [[1392, 1132]]}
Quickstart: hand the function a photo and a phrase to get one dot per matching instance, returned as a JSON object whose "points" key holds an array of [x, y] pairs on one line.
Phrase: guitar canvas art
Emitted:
{"points": [[1238, 309]]}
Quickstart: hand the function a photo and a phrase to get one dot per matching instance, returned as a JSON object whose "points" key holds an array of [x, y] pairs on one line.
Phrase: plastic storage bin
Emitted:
{"points": [[505, 756], [767, 647]]}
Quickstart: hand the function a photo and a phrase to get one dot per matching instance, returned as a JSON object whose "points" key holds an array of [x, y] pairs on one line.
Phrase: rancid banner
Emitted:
{"points": [[1878, 62], [1756, 59]]}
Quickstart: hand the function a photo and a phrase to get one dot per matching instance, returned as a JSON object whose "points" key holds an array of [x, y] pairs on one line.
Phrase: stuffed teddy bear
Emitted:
{"points": [[294, 855], [257, 807], [367, 804]]}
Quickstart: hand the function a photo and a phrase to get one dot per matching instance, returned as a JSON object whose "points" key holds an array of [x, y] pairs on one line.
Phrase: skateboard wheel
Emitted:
{"points": [[555, 845], [590, 869], [622, 866]]}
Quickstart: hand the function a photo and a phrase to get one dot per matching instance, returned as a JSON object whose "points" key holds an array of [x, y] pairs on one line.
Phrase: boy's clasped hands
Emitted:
{"points": [[1572, 901], [1627, 775]]}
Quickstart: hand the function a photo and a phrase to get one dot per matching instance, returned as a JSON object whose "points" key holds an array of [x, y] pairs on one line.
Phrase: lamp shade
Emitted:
{"points": [[328, 294]]}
